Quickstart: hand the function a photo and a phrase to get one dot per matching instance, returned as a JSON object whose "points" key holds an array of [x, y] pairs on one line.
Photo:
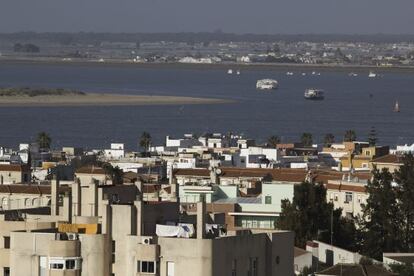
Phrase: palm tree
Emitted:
{"points": [[350, 136], [145, 141], [329, 139], [306, 139], [273, 140], [44, 140]]}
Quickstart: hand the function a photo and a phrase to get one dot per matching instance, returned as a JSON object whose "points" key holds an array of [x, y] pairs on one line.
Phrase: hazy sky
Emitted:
{"points": [[241, 16]]}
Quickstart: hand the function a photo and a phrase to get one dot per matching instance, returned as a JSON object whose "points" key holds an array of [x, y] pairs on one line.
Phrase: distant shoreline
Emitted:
{"points": [[224, 66], [95, 99]]}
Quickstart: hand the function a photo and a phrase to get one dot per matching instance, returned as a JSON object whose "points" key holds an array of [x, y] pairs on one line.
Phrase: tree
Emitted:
{"points": [[403, 269], [113, 173], [329, 139], [350, 136], [273, 140], [306, 139], [405, 194], [309, 216], [372, 137], [380, 220], [145, 141], [44, 140]]}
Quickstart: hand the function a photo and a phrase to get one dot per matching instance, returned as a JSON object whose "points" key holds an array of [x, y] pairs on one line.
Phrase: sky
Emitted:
{"points": [[237, 16]]}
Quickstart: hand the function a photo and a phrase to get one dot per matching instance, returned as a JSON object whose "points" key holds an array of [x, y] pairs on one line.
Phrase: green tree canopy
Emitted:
{"points": [[372, 137], [380, 219], [309, 216], [329, 139], [306, 139], [145, 141], [44, 140], [405, 194], [273, 140], [113, 173], [349, 136]]}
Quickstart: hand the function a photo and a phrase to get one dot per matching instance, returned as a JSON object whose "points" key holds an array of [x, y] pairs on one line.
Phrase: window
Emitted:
{"points": [[336, 197], [277, 260], [6, 271], [348, 197], [43, 266], [27, 202], [146, 267], [255, 267], [268, 200], [70, 264], [59, 263], [57, 266], [234, 268], [365, 165], [6, 242]]}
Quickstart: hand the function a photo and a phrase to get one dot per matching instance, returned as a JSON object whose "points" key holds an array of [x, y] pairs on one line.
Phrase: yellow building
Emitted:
{"points": [[361, 161]]}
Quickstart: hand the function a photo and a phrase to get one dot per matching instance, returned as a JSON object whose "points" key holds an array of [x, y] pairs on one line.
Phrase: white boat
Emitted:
{"points": [[397, 107], [372, 75], [352, 74], [289, 73], [230, 71], [313, 73], [238, 72], [267, 84], [303, 74], [314, 94]]}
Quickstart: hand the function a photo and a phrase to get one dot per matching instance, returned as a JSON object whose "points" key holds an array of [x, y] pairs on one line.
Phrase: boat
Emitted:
{"points": [[372, 75], [314, 94], [289, 73], [238, 72], [303, 74], [397, 107], [267, 84], [230, 71], [352, 74]]}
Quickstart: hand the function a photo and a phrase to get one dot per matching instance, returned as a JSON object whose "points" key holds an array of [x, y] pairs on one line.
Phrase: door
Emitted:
{"points": [[170, 269]]}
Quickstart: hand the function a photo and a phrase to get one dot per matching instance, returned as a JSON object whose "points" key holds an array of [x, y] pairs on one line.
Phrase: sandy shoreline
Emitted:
{"points": [[93, 99]]}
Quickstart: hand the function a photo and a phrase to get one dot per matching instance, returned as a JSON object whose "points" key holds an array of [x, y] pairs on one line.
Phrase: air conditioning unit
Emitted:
{"points": [[72, 236], [146, 240]]}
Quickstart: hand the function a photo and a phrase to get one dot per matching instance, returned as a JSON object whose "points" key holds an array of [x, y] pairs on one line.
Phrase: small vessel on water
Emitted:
{"points": [[372, 75], [397, 107], [352, 74], [289, 73], [267, 84], [314, 94], [238, 72], [303, 74], [230, 71]]}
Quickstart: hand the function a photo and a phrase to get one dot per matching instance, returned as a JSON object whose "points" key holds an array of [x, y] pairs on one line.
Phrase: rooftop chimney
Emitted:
{"points": [[201, 219], [55, 196]]}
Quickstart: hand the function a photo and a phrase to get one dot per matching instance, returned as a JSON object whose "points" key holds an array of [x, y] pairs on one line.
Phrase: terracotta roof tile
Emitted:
{"points": [[389, 158]]}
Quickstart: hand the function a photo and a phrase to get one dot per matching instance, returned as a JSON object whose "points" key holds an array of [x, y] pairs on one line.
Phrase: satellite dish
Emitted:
{"points": [[218, 171]]}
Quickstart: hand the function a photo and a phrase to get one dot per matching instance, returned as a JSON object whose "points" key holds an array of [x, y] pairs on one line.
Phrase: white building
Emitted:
{"points": [[115, 152]]}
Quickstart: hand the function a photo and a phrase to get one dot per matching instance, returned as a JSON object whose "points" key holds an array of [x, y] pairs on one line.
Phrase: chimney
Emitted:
{"points": [[76, 198], [201, 219], [67, 208], [55, 196], [106, 217], [139, 206], [140, 192]]}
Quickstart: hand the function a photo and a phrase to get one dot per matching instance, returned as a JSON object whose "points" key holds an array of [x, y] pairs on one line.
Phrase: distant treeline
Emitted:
{"points": [[33, 92], [202, 37]]}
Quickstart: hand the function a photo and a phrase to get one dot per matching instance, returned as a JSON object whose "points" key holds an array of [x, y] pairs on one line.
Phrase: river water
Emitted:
{"points": [[357, 103]]}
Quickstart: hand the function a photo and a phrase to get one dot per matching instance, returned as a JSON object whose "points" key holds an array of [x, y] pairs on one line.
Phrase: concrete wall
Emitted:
{"points": [[192, 256]]}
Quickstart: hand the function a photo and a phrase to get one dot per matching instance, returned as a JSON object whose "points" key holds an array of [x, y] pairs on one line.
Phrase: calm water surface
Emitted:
{"points": [[351, 103]]}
